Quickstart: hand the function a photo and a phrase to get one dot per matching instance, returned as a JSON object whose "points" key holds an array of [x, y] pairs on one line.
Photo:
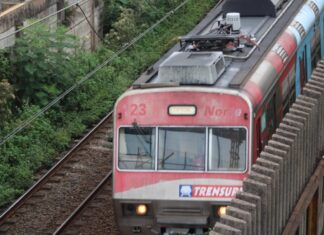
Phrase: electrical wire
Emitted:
{"points": [[89, 75]]}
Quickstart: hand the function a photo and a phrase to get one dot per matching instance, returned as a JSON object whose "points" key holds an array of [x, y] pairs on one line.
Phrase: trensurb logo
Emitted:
{"points": [[208, 191], [215, 191], [185, 190]]}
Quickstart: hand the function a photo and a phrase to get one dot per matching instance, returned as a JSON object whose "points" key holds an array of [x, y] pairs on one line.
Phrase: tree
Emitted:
{"points": [[41, 59], [123, 30]]}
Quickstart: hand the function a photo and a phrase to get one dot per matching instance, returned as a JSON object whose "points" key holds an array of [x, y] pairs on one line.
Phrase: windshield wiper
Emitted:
{"points": [[141, 137]]}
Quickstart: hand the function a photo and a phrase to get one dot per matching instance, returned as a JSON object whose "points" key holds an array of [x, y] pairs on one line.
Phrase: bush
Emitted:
{"points": [[42, 67], [27, 151], [38, 82]]}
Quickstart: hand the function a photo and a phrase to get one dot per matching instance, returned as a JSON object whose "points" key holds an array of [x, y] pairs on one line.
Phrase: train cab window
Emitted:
{"points": [[182, 148], [136, 148], [227, 149]]}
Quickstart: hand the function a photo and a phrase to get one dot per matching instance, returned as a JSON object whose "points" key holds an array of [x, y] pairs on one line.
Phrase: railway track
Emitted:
{"points": [[94, 214], [46, 206]]}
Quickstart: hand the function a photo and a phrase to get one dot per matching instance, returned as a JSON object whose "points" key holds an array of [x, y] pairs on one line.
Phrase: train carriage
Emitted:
{"points": [[188, 131]]}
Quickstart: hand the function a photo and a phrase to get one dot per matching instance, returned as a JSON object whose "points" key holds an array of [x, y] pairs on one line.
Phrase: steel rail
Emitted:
{"points": [[43, 180]]}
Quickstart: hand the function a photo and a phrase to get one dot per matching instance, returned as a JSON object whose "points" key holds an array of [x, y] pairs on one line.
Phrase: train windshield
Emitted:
{"points": [[136, 148], [227, 149], [183, 148]]}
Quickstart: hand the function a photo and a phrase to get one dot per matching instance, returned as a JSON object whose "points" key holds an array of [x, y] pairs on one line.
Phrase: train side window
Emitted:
{"points": [[290, 99], [285, 88], [288, 90], [271, 114], [263, 121], [315, 44]]}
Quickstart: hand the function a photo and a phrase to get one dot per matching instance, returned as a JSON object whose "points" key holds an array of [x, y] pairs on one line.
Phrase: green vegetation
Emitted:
{"points": [[46, 67]]}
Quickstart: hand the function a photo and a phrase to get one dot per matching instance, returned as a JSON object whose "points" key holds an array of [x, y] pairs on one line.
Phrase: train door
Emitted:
{"points": [[266, 123], [303, 63]]}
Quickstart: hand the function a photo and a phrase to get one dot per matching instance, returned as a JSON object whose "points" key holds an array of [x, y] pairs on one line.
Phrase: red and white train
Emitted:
{"points": [[188, 131]]}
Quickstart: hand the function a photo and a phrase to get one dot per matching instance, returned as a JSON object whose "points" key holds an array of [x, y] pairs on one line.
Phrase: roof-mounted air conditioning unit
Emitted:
{"points": [[192, 67]]}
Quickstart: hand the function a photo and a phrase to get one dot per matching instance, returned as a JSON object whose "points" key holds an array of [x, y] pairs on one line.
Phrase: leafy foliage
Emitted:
{"points": [[6, 97], [132, 17], [27, 152], [47, 63], [41, 61]]}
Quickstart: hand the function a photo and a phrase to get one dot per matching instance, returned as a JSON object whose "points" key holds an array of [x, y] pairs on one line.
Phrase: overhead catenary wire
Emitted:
{"points": [[89, 75], [42, 19]]}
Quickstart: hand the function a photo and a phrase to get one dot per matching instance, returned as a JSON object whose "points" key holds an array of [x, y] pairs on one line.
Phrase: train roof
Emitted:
{"points": [[242, 49]]}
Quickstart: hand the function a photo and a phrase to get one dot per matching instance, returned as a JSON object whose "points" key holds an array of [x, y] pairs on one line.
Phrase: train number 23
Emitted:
{"points": [[138, 109]]}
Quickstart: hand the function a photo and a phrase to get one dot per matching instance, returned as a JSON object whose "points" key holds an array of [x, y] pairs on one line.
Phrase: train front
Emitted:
{"points": [[180, 155]]}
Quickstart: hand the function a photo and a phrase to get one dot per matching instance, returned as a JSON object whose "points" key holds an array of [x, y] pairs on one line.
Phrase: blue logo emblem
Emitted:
{"points": [[185, 190]]}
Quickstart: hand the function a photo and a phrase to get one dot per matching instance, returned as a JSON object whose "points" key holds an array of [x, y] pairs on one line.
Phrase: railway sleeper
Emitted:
{"points": [[102, 142], [72, 232], [83, 150], [39, 194], [101, 197], [99, 136], [67, 167], [55, 179], [86, 214], [100, 148], [47, 187], [59, 174], [76, 223], [96, 206]]}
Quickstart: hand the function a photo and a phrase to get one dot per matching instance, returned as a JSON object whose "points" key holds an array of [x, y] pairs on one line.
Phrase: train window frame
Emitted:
{"points": [[246, 150], [206, 171], [179, 170], [153, 153], [288, 89]]}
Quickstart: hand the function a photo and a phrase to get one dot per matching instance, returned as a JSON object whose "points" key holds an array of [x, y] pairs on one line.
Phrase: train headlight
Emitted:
{"points": [[221, 210], [141, 209]]}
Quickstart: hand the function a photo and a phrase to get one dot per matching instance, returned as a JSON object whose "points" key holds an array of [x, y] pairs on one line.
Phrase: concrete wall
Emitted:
{"points": [[18, 15], [5, 4], [79, 24], [280, 176]]}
